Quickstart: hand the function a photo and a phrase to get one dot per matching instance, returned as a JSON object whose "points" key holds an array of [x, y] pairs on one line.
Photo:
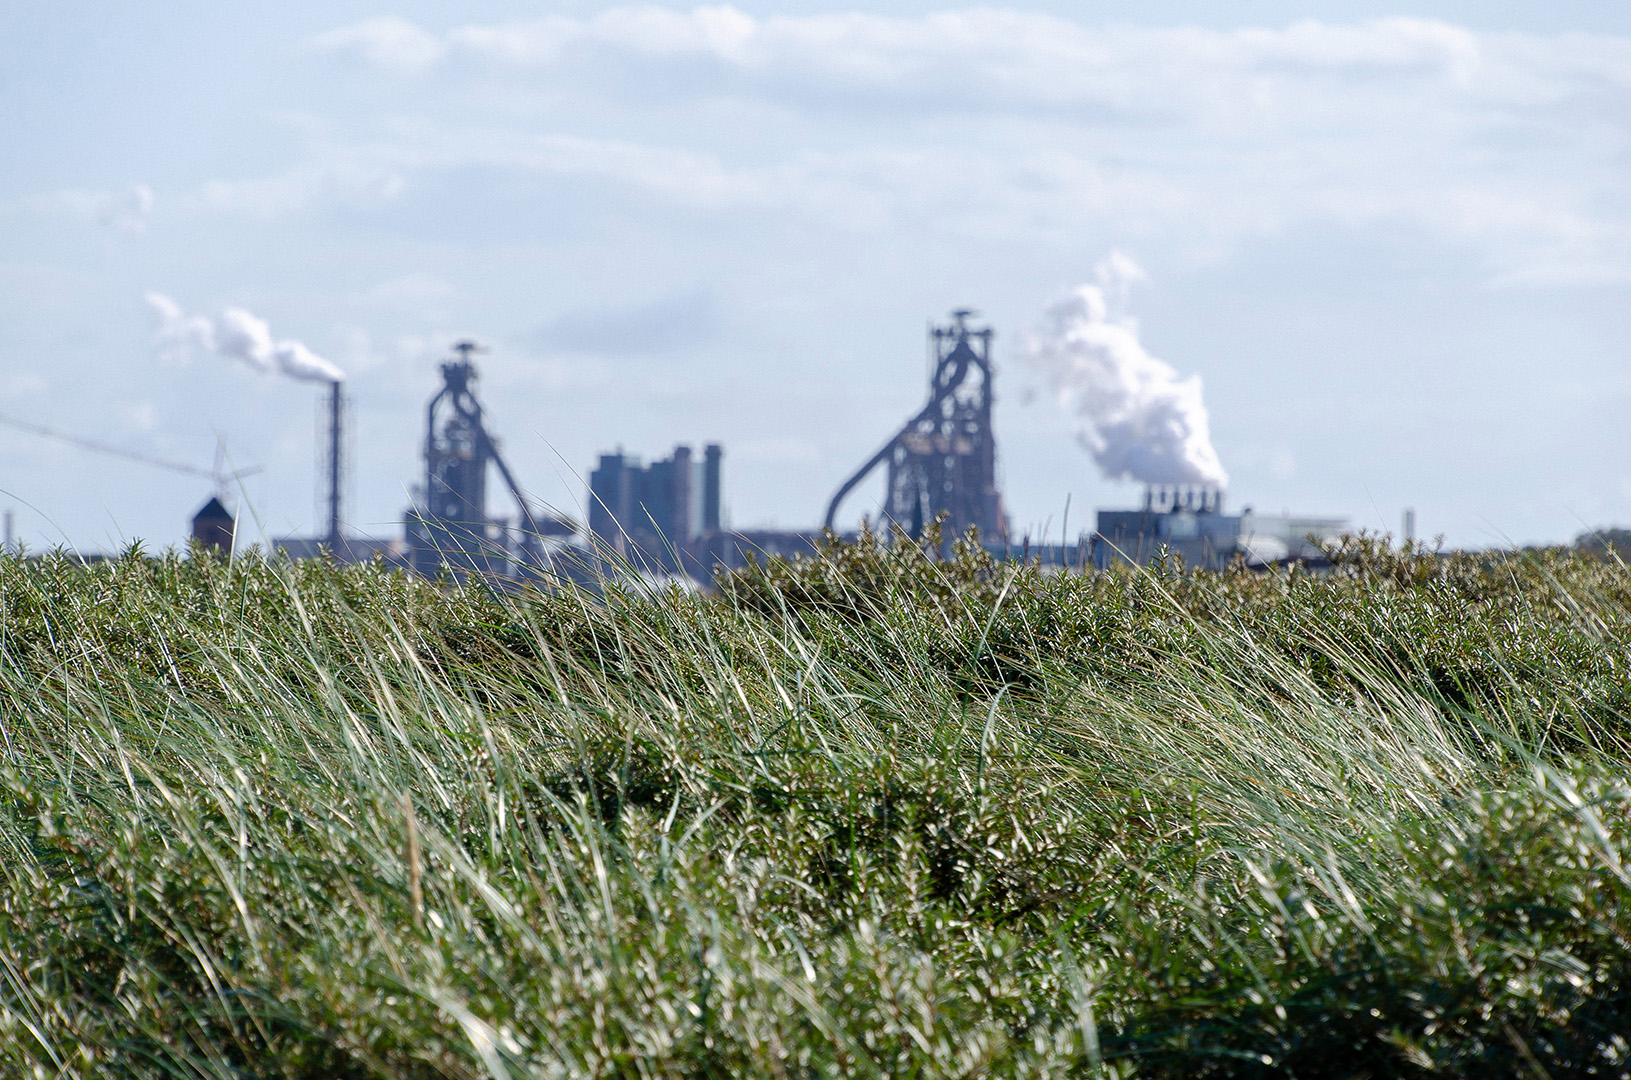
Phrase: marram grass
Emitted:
{"points": [[869, 815]]}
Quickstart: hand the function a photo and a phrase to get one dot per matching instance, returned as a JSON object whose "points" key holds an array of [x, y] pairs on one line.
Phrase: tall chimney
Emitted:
{"points": [[336, 406], [679, 529], [711, 455]]}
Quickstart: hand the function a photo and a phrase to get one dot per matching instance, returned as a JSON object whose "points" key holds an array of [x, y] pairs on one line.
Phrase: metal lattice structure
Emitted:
{"points": [[332, 463], [944, 461], [452, 527]]}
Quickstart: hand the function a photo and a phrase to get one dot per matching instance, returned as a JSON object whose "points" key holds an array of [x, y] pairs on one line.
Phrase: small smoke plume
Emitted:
{"points": [[179, 333], [1133, 413], [127, 211], [237, 334]]}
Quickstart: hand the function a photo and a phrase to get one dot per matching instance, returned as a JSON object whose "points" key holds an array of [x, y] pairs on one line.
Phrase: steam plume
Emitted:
{"points": [[1133, 413], [237, 334]]}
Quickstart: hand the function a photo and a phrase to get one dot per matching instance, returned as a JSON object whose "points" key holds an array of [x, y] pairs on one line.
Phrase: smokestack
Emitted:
{"points": [[336, 449], [711, 455], [679, 530]]}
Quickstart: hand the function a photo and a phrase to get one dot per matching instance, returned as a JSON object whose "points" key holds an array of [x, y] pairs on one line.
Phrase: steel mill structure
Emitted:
{"points": [[449, 528], [331, 463], [944, 461], [1190, 523], [653, 515], [668, 517], [333, 468]]}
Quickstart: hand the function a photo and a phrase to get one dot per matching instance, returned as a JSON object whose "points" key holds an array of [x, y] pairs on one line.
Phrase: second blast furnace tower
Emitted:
{"points": [[944, 461]]}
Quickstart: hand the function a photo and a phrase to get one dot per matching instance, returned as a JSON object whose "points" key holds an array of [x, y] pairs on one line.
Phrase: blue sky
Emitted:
{"points": [[1394, 241]]}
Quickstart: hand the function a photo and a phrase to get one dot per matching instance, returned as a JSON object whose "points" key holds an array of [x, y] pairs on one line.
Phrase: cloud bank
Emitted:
{"points": [[1005, 124]]}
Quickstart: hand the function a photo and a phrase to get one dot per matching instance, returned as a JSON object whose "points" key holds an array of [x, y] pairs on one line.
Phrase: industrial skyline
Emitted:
{"points": [[664, 518], [1389, 238]]}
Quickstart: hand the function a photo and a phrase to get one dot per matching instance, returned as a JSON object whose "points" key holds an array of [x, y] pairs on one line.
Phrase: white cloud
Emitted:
{"points": [[535, 42], [396, 45], [1006, 124], [127, 211], [1024, 57], [337, 175]]}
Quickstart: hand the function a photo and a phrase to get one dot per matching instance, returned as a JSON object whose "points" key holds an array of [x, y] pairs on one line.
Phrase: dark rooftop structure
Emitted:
{"points": [[214, 526]]}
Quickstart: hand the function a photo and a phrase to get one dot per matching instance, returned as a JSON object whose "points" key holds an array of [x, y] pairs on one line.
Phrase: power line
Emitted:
{"points": [[83, 443]]}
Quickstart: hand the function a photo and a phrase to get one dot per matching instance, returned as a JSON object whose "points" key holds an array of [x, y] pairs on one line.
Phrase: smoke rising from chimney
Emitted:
{"points": [[239, 335], [1133, 412]]}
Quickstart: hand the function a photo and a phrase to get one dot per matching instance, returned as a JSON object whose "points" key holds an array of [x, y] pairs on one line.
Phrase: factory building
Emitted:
{"points": [[1191, 524], [653, 514], [349, 549], [665, 518]]}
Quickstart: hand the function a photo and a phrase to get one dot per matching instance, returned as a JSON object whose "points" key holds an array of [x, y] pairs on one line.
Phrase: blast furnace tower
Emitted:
{"points": [[451, 526], [945, 459]]}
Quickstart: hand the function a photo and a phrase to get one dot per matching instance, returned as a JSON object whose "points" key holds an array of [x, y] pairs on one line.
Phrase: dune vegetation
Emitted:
{"points": [[871, 814]]}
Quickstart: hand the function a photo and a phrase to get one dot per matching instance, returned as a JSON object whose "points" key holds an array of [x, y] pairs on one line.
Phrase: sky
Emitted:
{"points": [[1392, 241]]}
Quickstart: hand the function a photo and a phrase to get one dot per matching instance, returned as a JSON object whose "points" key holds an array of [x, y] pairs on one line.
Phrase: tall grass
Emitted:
{"points": [[870, 814]]}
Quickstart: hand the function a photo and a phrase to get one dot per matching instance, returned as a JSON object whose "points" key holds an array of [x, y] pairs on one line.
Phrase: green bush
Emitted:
{"points": [[870, 813]]}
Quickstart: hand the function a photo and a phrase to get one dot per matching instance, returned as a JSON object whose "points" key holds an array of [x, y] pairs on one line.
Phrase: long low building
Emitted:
{"points": [[1193, 526]]}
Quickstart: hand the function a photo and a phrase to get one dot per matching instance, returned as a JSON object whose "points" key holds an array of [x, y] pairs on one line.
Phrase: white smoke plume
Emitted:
{"points": [[179, 333], [1133, 412], [239, 335]]}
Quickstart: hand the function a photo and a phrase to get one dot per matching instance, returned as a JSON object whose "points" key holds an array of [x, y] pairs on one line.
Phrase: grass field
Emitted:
{"points": [[870, 815]]}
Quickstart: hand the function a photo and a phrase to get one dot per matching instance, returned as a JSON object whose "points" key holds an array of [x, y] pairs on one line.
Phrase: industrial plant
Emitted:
{"points": [[942, 465], [1190, 523], [664, 518], [449, 528], [653, 515]]}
